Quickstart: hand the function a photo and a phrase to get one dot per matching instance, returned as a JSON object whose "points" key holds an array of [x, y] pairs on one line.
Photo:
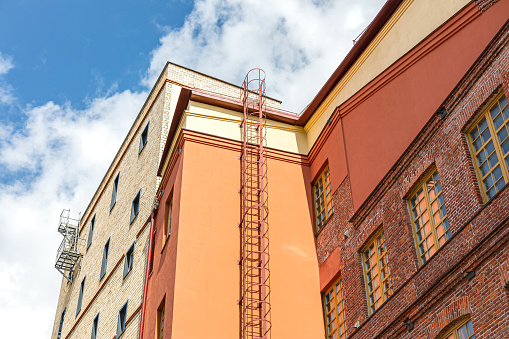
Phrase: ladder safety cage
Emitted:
{"points": [[255, 275], [69, 251]]}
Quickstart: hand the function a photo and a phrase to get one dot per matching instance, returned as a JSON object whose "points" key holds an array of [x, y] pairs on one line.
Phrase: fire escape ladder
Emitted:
{"points": [[68, 253], [255, 274]]}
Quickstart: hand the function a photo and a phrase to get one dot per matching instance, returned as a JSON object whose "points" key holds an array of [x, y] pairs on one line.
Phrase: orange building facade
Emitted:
{"points": [[381, 212]]}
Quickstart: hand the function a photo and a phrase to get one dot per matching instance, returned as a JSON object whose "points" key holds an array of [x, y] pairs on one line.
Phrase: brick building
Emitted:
{"points": [[108, 282], [387, 196]]}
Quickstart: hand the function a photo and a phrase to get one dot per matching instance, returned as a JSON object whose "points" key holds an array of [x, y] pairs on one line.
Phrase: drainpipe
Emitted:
{"points": [[144, 303]]}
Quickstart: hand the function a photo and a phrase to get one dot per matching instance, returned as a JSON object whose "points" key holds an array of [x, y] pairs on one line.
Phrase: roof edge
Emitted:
{"points": [[371, 32]]}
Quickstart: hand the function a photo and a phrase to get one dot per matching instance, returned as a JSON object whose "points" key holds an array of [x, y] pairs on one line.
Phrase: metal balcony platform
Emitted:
{"points": [[68, 253]]}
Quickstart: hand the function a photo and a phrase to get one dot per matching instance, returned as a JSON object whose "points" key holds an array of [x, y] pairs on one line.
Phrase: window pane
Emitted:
{"points": [[484, 168], [481, 157], [477, 144], [493, 160], [494, 111], [462, 332], [470, 328], [490, 148], [497, 173], [482, 125], [498, 121], [506, 112], [474, 134], [505, 147], [503, 101], [500, 184], [490, 193], [488, 182], [486, 135]]}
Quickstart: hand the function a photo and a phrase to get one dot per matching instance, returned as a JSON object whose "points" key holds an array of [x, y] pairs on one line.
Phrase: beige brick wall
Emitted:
{"points": [[200, 81], [137, 171]]}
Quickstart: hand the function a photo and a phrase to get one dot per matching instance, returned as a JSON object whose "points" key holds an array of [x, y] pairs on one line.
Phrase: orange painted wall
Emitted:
{"points": [[207, 280], [381, 128]]}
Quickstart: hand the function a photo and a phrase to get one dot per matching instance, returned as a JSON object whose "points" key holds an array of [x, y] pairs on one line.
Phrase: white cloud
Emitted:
{"points": [[354, 18], [17, 299], [6, 65], [298, 43], [56, 161]]}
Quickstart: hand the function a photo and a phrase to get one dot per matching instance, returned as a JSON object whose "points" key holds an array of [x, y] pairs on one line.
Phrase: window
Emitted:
{"points": [[105, 259], [122, 317], [464, 330], [160, 322], [135, 207], [489, 142], [61, 324], [143, 139], [80, 297], [334, 312], [169, 209], [322, 198], [429, 217], [151, 266], [376, 273], [129, 258], [114, 192], [95, 324], [91, 232]]}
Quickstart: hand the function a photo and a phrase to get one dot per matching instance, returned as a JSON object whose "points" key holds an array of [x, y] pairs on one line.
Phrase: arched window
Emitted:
{"points": [[462, 330]]}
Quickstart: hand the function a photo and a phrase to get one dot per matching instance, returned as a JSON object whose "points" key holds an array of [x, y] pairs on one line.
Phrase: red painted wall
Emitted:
{"points": [[162, 281], [381, 128]]}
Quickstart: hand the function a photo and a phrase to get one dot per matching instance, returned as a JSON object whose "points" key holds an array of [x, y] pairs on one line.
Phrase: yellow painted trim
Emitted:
{"points": [[288, 128]]}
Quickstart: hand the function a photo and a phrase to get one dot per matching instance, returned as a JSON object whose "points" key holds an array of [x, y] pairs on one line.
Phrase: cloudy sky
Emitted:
{"points": [[73, 76]]}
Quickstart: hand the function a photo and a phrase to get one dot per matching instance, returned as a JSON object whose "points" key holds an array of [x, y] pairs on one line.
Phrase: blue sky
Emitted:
{"points": [[73, 77], [73, 50]]}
